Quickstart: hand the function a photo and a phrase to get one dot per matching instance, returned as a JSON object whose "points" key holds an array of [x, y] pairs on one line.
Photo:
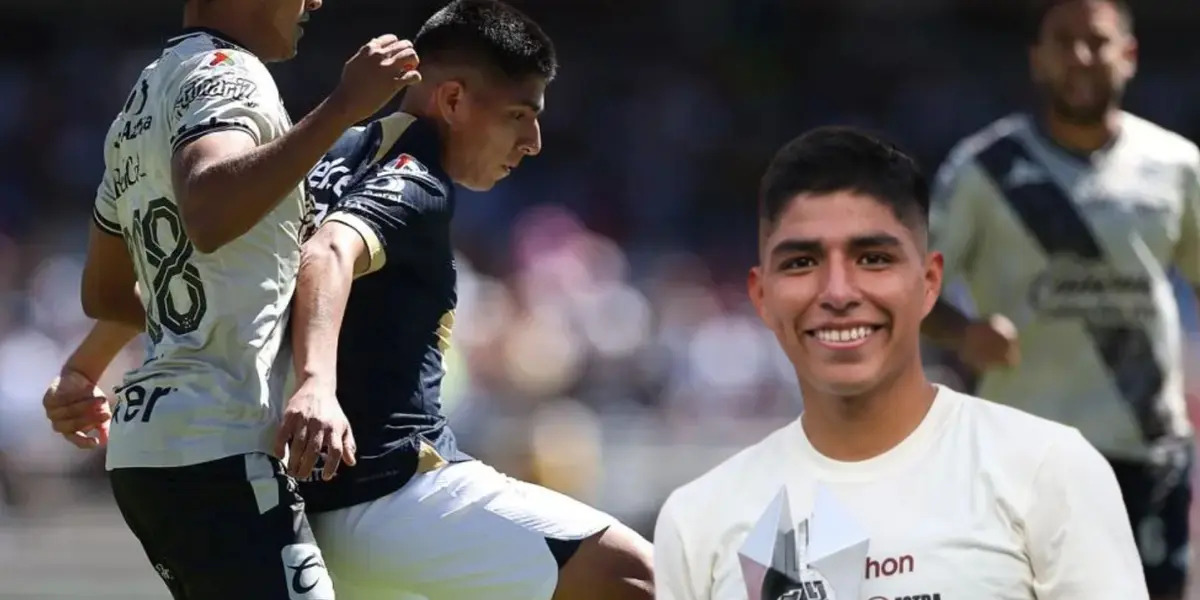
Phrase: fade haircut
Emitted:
{"points": [[827, 160], [1039, 9], [489, 35]]}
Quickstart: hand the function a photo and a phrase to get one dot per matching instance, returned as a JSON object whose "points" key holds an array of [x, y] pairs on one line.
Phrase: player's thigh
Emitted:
{"points": [[230, 528], [1158, 501], [462, 531]]}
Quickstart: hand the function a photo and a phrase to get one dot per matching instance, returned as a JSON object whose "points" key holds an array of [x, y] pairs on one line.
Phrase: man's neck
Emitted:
{"points": [[211, 17], [863, 427], [418, 102], [1083, 138]]}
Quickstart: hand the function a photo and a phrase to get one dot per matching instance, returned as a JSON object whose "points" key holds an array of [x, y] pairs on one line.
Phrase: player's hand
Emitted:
{"points": [[380, 69], [76, 408], [313, 423], [991, 342]]}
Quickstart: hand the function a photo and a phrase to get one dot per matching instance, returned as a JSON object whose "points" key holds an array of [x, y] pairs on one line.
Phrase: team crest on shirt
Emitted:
{"points": [[408, 165], [819, 558]]}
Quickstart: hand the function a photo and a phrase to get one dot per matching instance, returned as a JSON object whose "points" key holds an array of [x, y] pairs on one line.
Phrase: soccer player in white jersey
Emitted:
{"points": [[203, 209], [1064, 224], [958, 497]]}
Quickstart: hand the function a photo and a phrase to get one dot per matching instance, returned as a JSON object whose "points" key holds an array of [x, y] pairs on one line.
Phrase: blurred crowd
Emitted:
{"points": [[603, 344]]}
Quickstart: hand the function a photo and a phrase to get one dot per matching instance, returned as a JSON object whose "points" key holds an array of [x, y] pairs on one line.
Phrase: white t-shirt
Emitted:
{"points": [[981, 502], [212, 382], [1076, 251]]}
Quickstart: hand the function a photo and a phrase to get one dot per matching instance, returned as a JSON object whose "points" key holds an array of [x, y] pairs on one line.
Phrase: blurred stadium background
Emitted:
{"points": [[604, 344]]}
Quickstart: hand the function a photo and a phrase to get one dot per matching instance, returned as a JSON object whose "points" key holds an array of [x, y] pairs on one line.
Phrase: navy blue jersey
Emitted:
{"points": [[385, 182]]}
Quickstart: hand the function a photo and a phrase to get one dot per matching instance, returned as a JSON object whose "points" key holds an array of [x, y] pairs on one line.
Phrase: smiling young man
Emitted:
{"points": [[957, 496]]}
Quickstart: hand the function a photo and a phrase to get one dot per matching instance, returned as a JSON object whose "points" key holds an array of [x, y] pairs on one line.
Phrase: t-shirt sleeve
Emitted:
{"points": [[384, 205], [104, 211], [1080, 543], [675, 576], [1187, 249], [959, 190], [220, 91]]}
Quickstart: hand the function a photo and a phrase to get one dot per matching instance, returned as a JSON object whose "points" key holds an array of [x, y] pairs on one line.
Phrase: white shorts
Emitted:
{"points": [[463, 531]]}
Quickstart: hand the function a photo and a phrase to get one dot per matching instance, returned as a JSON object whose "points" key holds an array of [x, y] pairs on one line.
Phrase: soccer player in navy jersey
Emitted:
{"points": [[372, 317]]}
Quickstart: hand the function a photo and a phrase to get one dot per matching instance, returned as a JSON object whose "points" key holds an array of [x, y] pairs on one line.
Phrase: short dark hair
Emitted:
{"points": [[488, 34], [1040, 8], [843, 159]]}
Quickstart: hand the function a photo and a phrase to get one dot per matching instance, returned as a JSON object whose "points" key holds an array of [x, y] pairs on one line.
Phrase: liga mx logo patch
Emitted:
{"points": [[305, 573], [819, 558]]}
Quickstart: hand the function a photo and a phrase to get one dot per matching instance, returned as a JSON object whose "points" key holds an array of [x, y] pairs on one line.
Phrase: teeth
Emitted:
{"points": [[843, 335]]}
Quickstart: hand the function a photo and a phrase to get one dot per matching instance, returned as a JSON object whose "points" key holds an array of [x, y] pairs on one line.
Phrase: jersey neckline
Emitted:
{"points": [[188, 32], [945, 404]]}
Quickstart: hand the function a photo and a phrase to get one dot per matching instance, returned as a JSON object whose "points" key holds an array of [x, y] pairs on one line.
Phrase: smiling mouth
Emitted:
{"points": [[843, 337]]}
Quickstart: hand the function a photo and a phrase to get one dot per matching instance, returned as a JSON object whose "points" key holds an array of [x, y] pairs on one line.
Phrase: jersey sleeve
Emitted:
{"points": [[104, 211], [384, 205], [674, 572], [220, 91], [959, 190], [1080, 543], [1187, 249]]}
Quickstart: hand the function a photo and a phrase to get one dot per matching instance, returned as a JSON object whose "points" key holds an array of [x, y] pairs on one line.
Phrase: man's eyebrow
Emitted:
{"points": [[874, 240], [797, 246]]}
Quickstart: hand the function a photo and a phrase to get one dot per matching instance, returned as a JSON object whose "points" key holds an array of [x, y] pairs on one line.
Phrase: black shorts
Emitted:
{"points": [[1158, 499], [226, 529]]}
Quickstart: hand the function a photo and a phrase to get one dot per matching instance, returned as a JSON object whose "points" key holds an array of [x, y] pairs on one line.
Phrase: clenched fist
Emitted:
{"points": [[76, 408], [380, 69]]}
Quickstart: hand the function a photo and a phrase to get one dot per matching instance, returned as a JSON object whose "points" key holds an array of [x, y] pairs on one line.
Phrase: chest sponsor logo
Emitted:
{"points": [[223, 86], [1094, 292]]}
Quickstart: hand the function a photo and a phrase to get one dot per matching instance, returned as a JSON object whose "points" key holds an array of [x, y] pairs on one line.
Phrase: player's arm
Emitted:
{"points": [[1080, 543], [953, 229], [674, 572], [354, 240], [1187, 249], [99, 347], [225, 178], [378, 210], [108, 289], [329, 261]]}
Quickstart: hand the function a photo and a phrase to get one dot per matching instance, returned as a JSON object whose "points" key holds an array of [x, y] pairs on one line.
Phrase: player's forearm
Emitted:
{"points": [[116, 306], [99, 347], [224, 200], [945, 325], [322, 290]]}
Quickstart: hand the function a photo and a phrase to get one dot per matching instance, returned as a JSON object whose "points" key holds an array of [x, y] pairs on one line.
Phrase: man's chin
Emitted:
{"points": [[1080, 115], [846, 381]]}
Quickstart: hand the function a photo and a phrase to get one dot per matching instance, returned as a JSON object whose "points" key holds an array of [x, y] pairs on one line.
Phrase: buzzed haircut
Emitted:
{"points": [[827, 160], [489, 35]]}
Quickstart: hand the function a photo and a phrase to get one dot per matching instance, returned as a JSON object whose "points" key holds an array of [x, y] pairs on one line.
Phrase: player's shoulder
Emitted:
{"points": [[201, 55], [404, 150], [963, 163], [976, 144], [1013, 434], [753, 471], [1159, 142]]}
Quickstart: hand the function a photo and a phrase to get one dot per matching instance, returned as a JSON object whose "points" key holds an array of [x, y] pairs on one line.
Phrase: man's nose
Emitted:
{"points": [[531, 145], [840, 292]]}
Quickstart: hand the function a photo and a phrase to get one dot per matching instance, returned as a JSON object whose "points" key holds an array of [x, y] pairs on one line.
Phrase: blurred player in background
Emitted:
{"points": [[416, 514], [984, 501], [1064, 224], [202, 207]]}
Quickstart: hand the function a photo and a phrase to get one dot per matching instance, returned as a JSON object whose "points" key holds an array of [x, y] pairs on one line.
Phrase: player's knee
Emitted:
{"points": [[615, 564]]}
